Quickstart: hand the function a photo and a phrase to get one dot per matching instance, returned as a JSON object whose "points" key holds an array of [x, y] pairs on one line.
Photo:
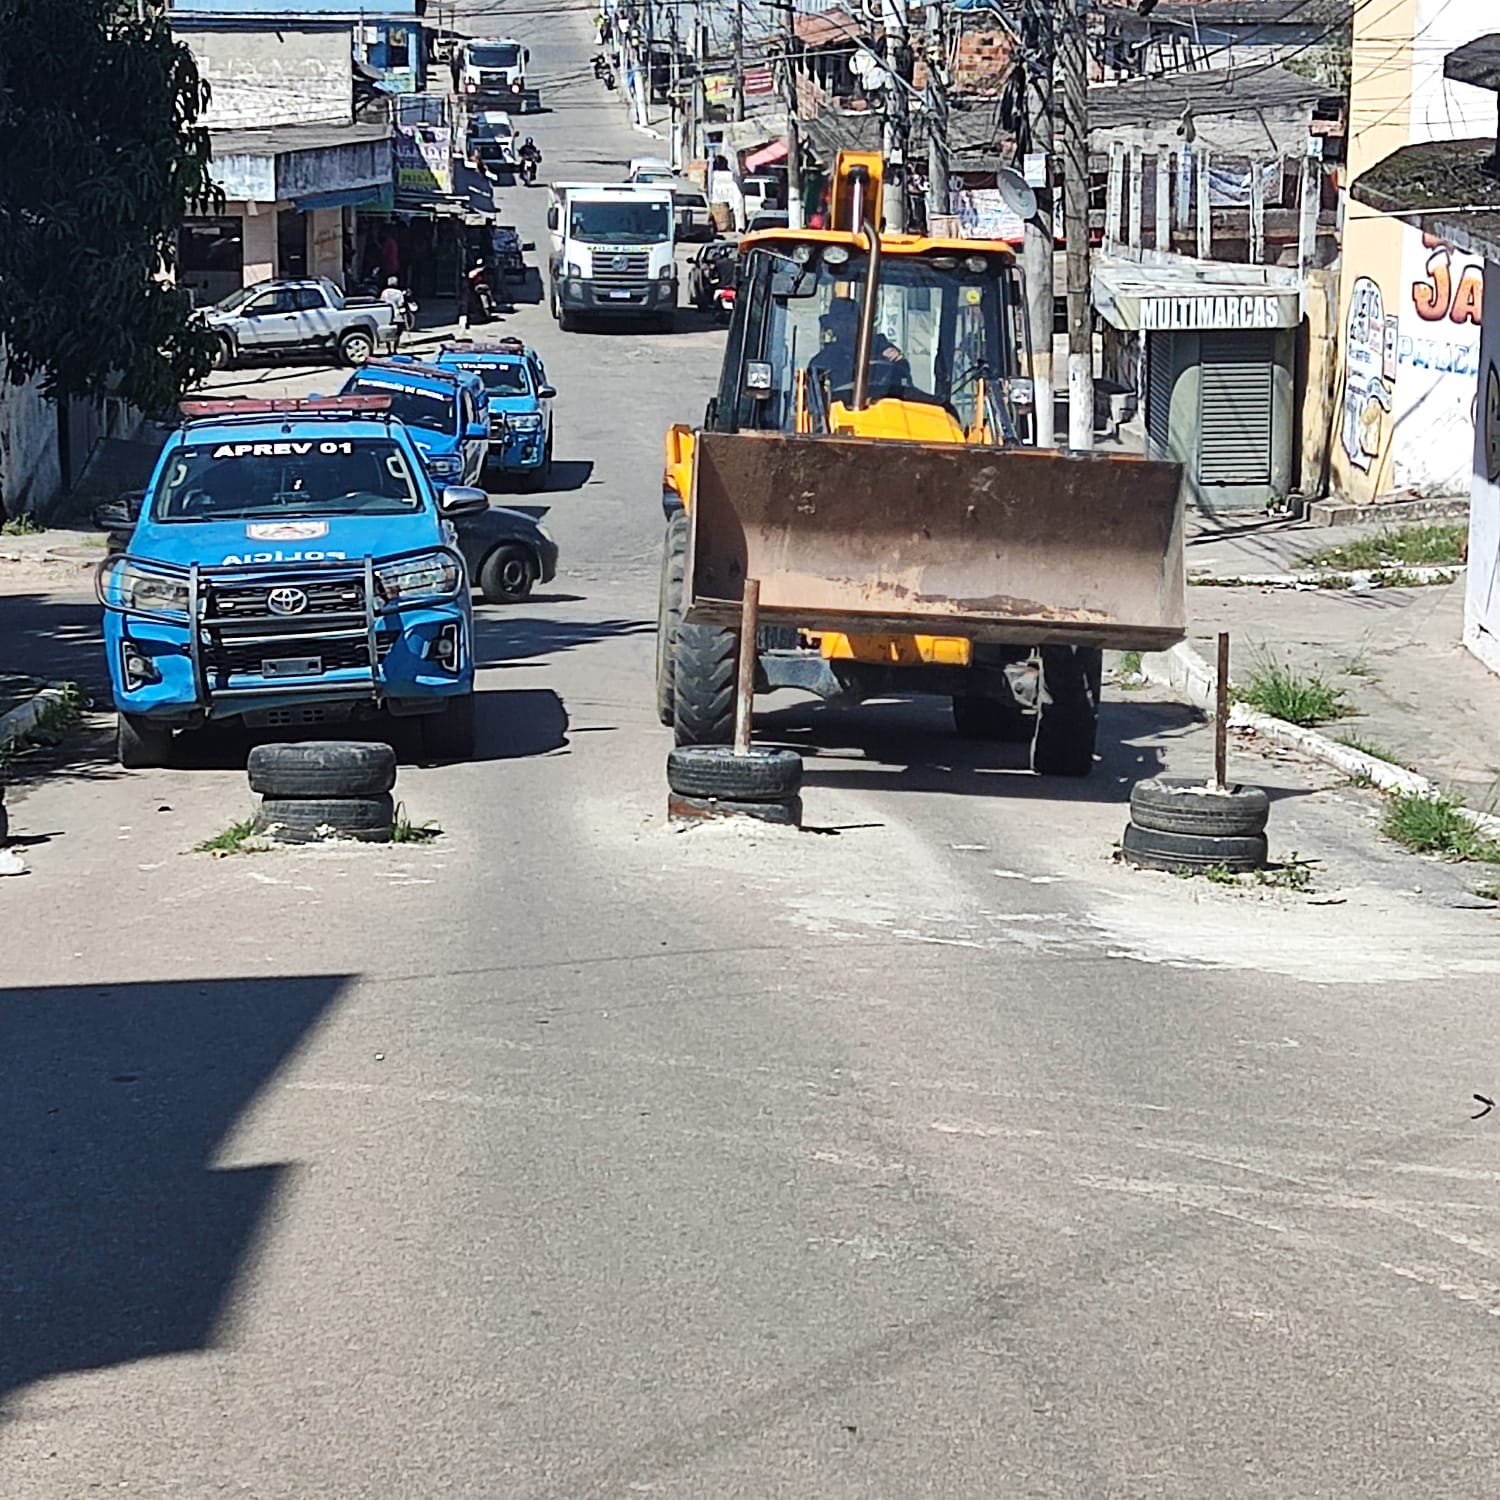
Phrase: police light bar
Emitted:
{"points": [[483, 346], [305, 406]]}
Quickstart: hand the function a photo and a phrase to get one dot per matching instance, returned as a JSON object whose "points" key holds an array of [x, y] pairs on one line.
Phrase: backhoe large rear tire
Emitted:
{"points": [[1067, 721], [703, 676], [669, 613]]}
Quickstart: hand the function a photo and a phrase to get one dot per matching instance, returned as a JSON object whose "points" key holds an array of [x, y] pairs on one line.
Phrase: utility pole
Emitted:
{"points": [[788, 9], [937, 113], [739, 59], [1039, 251], [674, 92], [1073, 55], [700, 56], [897, 116]]}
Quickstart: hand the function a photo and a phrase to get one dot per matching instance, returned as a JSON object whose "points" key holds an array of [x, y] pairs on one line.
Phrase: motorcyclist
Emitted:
{"points": [[481, 296], [530, 157]]}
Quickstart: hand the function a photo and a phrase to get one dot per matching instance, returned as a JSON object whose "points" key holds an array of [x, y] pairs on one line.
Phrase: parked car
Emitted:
{"points": [[520, 404], [507, 552], [768, 221], [302, 317], [695, 220], [650, 169], [292, 563], [711, 269], [446, 412]]}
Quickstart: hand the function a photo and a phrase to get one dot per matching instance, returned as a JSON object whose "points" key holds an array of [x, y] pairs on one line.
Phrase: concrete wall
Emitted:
{"points": [[30, 466], [1410, 307], [1261, 133], [260, 239], [282, 77], [1482, 586]]}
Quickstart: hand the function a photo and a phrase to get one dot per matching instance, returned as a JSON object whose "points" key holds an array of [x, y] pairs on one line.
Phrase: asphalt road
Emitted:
{"points": [[927, 1153]]}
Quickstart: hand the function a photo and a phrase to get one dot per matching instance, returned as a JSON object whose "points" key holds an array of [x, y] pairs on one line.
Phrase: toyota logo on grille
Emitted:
{"points": [[286, 601], [618, 263]]}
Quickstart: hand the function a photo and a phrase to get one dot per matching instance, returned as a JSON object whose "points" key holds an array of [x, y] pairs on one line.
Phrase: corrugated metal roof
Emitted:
{"points": [[1210, 91]]}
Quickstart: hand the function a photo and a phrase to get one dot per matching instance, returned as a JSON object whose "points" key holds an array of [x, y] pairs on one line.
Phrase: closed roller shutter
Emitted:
{"points": [[1234, 408], [1159, 393]]}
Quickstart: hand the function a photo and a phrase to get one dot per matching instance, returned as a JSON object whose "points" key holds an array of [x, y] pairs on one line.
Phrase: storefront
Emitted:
{"points": [[1213, 362]]}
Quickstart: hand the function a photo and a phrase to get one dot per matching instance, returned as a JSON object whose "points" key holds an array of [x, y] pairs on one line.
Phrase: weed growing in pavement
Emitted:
{"points": [[1437, 825], [20, 526], [406, 832], [1489, 892], [1372, 748], [1294, 875], [238, 838], [1299, 698], [1431, 544], [1130, 662]]}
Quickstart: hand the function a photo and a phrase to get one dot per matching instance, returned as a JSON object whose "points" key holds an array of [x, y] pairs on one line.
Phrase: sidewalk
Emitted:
{"points": [[1416, 695]]}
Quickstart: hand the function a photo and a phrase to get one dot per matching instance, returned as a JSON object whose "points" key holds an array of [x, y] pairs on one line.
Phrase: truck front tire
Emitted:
{"points": [[669, 614], [356, 348], [450, 733], [1067, 721], [142, 745], [703, 677]]}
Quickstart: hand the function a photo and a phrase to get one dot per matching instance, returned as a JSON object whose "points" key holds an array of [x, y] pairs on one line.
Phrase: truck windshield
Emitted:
{"points": [[945, 327], [495, 57], [430, 410], [499, 380], [621, 222], [285, 477]]}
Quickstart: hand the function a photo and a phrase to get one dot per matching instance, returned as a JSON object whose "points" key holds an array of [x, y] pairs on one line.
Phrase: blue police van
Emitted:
{"points": [[291, 563], [520, 403], [446, 412]]}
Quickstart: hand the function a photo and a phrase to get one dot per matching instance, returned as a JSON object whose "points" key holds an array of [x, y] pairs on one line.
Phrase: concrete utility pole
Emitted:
{"points": [[1073, 55], [788, 9], [937, 112], [1038, 253], [739, 59], [897, 117]]}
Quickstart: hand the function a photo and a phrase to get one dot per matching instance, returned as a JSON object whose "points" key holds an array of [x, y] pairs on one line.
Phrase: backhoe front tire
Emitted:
{"points": [[1067, 721], [669, 613], [703, 677]]}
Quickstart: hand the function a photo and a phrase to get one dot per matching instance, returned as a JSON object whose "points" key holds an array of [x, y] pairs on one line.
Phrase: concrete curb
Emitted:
{"points": [[1341, 580], [26, 718], [1339, 513], [1184, 672]]}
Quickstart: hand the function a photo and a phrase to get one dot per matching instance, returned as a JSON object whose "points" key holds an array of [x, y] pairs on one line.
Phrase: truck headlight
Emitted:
{"points": [[573, 270], [527, 422], [667, 272], [445, 466], [127, 586], [412, 577]]}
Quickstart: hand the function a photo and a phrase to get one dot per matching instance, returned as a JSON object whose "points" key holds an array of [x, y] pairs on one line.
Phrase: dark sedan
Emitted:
{"points": [[507, 552], [711, 268]]}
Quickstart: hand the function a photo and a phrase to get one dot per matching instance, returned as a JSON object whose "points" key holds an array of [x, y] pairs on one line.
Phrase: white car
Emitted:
{"points": [[695, 220], [650, 169]]}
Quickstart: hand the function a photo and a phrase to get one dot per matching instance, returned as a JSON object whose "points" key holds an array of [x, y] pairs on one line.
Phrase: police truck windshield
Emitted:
{"points": [[427, 409], [621, 222], [286, 477]]}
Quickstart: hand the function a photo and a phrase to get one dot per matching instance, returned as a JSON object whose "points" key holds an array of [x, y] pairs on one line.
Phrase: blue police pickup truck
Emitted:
{"points": [[520, 404], [292, 563], [446, 412]]}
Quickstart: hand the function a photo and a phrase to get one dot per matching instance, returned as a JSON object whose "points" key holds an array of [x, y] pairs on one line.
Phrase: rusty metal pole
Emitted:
{"points": [[1221, 716], [744, 696]]}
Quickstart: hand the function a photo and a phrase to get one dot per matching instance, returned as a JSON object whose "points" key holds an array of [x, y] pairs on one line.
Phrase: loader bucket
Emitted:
{"points": [[1008, 545]]}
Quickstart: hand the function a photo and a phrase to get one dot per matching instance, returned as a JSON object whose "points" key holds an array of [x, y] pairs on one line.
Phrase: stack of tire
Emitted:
{"points": [[324, 789], [1185, 826], [711, 781]]}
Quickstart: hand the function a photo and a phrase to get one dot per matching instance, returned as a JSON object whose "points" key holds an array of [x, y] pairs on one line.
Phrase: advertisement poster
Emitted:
{"points": [[424, 161]]}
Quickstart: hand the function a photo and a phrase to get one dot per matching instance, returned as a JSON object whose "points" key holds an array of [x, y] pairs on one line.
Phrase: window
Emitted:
{"points": [[270, 303], [307, 299], [287, 477], [621, 222], [398, 47], [500, 380], [430, 410]]}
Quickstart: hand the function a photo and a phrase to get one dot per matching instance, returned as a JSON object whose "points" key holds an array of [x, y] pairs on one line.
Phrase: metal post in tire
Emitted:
{"points": [[324, 789], [1183, 826], [717, 781]]}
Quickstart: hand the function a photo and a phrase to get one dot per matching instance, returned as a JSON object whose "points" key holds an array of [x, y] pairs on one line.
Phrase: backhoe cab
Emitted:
{"points": [[868, 458]]}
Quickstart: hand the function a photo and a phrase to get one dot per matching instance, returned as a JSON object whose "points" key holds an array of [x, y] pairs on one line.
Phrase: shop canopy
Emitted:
{"points": [[766, 156]]}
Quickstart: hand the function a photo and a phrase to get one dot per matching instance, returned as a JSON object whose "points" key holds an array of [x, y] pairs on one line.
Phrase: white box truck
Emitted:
{"points": [[612, 252]]}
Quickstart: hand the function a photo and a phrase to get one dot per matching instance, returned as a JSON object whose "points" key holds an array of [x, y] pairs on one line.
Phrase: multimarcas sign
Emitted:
{"points": [[1159, 313]]}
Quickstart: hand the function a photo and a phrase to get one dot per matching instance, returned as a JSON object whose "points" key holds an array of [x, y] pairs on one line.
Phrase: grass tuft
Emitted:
{"points": [[1299, 698], [20, 526], [1372, 748], [407, 832], [1437, 825], [238, 838], [1432, 544]]}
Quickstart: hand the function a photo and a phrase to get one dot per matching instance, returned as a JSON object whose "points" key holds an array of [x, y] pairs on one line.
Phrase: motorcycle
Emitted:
{"points": [[723, 304], [528, 170], [508, 253]]}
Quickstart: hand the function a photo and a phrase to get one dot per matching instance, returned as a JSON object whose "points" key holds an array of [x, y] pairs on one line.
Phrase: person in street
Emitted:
{"points": [[481, 297], [398, 300], [834, 361]]}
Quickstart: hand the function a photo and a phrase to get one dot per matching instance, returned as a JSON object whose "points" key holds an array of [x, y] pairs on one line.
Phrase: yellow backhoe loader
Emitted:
{"points": [[867, 459]]}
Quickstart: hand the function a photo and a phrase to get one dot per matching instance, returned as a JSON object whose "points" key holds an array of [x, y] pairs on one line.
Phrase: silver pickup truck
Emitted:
{"points": [[298, 317]]}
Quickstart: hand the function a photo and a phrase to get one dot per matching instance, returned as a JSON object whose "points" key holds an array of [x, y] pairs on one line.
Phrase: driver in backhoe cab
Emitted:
{"points": [[834, 361]]}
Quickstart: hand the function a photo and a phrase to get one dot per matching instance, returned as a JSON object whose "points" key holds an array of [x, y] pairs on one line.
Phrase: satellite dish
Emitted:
{"points": [[1016, 193], [869, 70]]}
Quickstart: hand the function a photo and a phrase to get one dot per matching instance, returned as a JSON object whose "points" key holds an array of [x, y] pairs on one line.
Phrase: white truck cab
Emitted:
{"points": [[491, 70], [612, 253]]}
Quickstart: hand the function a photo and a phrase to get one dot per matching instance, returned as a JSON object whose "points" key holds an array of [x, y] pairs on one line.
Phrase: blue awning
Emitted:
{"points": [[345, 198]]}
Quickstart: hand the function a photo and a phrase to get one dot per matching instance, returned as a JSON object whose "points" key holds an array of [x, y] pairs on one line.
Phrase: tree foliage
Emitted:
{"points": [[100, 160]]}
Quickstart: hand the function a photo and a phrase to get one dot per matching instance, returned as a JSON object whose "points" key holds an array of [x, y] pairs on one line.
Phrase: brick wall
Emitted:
{"points": [[983, 61]]}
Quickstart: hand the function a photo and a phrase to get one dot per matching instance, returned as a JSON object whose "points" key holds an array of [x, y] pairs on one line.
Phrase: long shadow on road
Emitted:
{"points": [[122, 1239]]}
